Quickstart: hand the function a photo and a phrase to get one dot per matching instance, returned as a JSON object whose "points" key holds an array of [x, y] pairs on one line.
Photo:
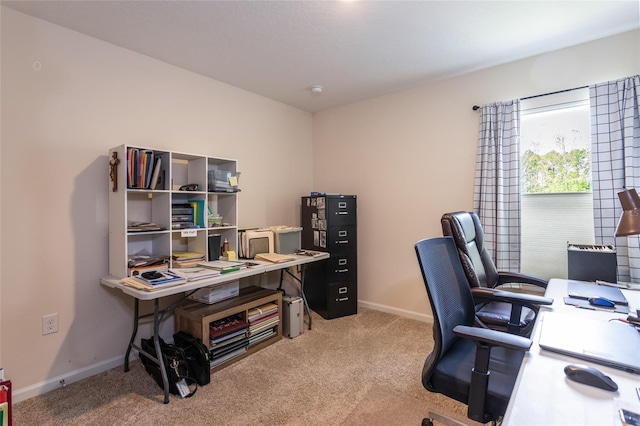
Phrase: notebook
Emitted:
{"points": [[582, 290], [611, 343]]}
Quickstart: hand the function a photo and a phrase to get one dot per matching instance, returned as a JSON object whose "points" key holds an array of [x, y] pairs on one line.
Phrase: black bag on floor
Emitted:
{"points": [[175, 363], [197, 356]]}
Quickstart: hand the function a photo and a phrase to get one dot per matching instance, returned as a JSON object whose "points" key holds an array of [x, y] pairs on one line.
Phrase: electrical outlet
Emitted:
{"points": [[49, 324]]}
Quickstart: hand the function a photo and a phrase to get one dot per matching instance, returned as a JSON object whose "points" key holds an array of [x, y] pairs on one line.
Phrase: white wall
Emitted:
{"points": [[67, 99], [409, 156]]}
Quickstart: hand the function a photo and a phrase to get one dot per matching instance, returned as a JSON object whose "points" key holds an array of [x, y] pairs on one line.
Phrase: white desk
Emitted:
{"points": [[544, 396], [261, 267]]}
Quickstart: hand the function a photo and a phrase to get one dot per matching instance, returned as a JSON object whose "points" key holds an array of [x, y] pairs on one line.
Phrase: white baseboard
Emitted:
{"points": [[70, 377], [400, 312]]}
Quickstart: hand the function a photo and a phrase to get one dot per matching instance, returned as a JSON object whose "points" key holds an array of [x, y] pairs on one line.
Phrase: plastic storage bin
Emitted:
{"points": [[286, 239], [223, 181]]}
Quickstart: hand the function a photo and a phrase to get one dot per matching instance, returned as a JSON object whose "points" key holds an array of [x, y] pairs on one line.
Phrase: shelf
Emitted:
{"points": [[194, 317], [137, 204]]}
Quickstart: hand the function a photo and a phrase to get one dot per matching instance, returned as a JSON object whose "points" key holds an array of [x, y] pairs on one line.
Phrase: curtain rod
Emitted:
{"points": [[476, 107]]}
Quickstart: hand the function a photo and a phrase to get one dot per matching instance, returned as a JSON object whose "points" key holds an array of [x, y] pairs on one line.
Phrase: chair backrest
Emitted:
{"points": [[448, 290], [468, 235]]}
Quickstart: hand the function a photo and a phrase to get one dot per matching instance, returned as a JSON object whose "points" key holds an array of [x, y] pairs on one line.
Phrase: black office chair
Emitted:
{"points": [[482, 275], [476, 366]]}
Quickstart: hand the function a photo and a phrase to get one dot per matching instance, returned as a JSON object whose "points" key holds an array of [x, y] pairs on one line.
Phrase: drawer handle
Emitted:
{"points": [[342, 262], [342, 233], [342, 270], [342, 241], [342, 299], [342, 213], [342, 290], [342, 204]]}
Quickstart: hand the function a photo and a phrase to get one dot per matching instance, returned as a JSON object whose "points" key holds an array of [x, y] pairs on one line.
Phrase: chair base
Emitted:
{"points": [[448, 421], [441, 420]]}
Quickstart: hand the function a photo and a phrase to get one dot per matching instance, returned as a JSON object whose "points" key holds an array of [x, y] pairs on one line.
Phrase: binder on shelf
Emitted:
{"points": [[214, 244], [146, 167], [132, 167], [156, 173], [198, 213]]}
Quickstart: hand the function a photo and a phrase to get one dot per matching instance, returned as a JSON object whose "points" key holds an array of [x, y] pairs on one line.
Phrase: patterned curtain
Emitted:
{"points": [[615, 146], [497, 183]]}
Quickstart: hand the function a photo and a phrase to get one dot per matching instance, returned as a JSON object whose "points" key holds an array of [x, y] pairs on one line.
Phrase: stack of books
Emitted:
{"points": [[227, 339], [263, 321], [186, 259]]}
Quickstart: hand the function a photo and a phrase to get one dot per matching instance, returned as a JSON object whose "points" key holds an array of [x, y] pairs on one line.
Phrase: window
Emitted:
{"points": [[556, 200]]}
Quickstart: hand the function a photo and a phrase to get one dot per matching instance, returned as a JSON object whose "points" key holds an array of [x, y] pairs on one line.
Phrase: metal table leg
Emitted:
{"points": [[156, 342], [136, 309], [157, 318]]}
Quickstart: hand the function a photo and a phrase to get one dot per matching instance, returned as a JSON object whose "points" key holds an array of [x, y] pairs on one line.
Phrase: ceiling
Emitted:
{"points": [[355, 49]]}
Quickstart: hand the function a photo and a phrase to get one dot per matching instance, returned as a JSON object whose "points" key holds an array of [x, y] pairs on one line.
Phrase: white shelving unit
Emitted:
{"points": [[127, 204]]}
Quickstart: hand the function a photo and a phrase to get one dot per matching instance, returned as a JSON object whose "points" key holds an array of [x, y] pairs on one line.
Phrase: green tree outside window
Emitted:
{"points": [[556, 171]]}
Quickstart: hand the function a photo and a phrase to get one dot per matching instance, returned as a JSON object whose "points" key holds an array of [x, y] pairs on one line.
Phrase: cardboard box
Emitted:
{"points": [[213, 294]]}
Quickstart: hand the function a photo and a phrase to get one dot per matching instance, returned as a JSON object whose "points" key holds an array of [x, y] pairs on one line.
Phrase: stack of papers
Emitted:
{"points": [[141, 260], [194, 274], [142, 227], [186, 259], [223, 266], [165, 280], [275, 257]]}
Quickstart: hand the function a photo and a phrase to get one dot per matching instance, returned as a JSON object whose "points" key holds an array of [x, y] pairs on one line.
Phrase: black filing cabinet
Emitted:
{"points": [[329, 223]]}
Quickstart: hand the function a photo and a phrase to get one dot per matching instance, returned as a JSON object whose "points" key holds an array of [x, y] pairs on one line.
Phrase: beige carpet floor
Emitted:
{"points": [[358, 370]]}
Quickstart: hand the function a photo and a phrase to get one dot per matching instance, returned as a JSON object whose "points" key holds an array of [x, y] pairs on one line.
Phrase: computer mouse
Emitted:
{"points": [[601, 301], [590, 376]]}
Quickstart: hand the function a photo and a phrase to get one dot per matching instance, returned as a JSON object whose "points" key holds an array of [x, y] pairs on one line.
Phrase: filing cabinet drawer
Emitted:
{"points": [[342, 267], [341, 211], [341, 239], [342, 299]]}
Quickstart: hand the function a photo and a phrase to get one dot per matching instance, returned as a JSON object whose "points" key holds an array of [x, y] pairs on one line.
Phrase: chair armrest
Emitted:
{"points": [[486, 295], [493, 337], [524, 298], [516, 277], [484, 340]]}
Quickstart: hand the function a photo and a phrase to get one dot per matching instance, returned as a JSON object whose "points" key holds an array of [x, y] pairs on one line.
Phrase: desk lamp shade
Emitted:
{"points": [[629, 223]]}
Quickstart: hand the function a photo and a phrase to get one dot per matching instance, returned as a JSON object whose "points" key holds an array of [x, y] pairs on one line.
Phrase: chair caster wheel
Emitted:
{"points": [[427, 422]]}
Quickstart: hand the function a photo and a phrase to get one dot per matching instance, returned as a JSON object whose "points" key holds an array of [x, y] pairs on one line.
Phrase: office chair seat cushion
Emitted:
{"points": [[452, 374], [498, 314]]}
